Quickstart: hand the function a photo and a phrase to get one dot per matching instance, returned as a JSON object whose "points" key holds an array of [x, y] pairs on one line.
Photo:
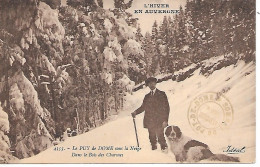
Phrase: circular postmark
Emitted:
{"points": [[210, 112]]}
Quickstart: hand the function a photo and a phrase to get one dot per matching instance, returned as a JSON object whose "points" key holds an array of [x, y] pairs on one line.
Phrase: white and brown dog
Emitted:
{"points": [[186, 149]]}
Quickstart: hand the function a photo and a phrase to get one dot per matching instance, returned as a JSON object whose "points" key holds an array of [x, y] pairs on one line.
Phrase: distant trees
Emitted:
{"points": [[203, 30]]}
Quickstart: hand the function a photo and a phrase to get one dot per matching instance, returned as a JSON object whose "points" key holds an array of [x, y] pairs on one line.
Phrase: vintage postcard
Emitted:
{"points": [[127, 81]]}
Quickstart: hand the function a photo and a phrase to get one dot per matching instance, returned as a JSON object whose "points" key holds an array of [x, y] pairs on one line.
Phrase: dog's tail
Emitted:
{"points": [[223, 158]]}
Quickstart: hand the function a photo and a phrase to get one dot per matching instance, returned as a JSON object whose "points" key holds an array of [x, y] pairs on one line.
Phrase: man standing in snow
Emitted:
{"points": [[156, 107]]}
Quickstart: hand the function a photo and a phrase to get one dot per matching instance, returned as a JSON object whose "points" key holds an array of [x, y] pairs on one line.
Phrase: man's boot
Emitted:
{"points": [[154, 146], [164, 148]]}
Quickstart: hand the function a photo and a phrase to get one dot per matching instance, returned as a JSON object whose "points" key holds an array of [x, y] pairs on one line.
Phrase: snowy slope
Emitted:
{"points": [[237, 83]]}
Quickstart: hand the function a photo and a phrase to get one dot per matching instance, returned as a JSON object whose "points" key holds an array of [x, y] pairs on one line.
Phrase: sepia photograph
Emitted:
{"points": [[128, 81]]}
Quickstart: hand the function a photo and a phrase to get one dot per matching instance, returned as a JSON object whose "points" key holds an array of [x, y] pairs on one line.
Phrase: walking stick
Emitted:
{"points": [[136, 132]]}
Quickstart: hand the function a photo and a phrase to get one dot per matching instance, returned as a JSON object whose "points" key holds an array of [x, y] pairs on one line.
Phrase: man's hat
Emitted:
{"points": [[150, 79]]}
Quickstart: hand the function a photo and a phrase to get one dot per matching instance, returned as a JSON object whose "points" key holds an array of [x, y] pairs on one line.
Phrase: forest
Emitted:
{"points": [[71, 66]]}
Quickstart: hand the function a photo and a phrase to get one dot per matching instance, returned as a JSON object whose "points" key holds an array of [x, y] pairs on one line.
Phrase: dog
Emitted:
{"points": [[186, 149]]}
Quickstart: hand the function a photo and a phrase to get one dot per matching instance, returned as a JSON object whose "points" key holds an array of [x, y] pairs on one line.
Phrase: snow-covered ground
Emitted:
{"points": [[237, 83]]}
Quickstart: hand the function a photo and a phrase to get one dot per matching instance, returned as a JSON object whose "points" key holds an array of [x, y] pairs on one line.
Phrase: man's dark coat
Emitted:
{"points": [[156, 109]]}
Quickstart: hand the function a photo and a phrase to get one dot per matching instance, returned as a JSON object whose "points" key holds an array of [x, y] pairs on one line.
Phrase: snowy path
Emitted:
{"points": [[239, 81], [119, 133]]}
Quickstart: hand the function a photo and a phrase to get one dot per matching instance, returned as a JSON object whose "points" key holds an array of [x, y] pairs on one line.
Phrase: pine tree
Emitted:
{"points": [[100, 3], [155, 66], [161, 39], [148, 53], [139, 35], [122, 5], [172, 60], [27, 57]]}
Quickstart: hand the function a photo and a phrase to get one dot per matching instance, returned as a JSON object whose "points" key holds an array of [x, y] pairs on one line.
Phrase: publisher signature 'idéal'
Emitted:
{"points": [[233, 150]]}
